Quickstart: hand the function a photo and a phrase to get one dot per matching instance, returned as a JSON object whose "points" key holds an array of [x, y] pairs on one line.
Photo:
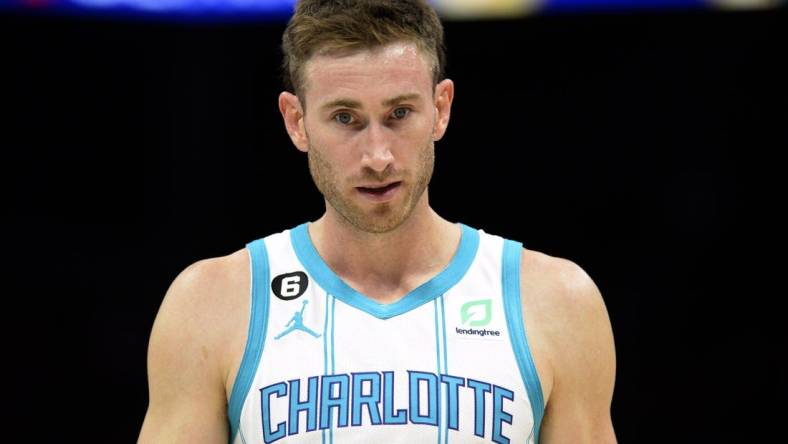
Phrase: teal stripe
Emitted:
{"points": [[445, 350], [333, 364], [445, 367], [438, 360], [333, 361], [514, 319], [325, 354], [255, 339]]}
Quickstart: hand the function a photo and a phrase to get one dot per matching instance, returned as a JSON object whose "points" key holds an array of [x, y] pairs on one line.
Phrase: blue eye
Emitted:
{"points": [[343, 118], [400, 113]]}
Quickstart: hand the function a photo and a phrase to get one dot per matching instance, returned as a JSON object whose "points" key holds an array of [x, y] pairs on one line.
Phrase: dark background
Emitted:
{"points": [[644, 147]]}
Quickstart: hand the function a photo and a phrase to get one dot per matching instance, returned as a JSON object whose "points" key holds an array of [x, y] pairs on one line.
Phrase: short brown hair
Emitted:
{"points": [[346, 26]]}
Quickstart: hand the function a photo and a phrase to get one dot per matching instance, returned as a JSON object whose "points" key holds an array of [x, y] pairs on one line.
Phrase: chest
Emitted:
{"points": [[446, 364]]}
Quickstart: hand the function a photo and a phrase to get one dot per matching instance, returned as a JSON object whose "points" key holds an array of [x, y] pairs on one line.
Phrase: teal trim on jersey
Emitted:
{"points": [[333, 361], [445, 367], [333, 367], [325, 354], [438, 359], [514, 320], [326, 278], [258, 325], [445, 349], [325, 337]]}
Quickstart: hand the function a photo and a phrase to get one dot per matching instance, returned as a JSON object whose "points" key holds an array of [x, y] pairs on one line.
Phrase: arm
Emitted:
{"points": [[583, 356], [186, 390]]}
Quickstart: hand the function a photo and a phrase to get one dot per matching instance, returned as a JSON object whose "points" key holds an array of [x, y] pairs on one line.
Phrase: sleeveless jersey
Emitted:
{"points": [[447, 363]]}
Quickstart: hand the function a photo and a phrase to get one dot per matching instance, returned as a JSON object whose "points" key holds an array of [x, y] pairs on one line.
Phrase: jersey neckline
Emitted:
{"points": [[436, 286]]}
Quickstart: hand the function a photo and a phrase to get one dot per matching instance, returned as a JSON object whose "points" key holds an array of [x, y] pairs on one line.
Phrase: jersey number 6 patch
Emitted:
{"points": [[289, 286]]}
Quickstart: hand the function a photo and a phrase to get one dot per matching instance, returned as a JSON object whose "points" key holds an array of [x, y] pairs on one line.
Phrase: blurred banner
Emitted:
{"points": [[281, 9]]}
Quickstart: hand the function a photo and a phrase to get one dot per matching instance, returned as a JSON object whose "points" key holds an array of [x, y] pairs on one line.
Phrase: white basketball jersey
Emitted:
{"points": [[447, 363]]}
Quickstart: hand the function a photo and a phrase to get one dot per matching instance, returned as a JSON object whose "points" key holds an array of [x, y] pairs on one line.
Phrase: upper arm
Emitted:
{"points": [[187, 400], [583, 357]]}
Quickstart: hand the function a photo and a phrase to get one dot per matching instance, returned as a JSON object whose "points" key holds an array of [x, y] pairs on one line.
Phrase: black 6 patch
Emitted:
{"points": [[290, 286]]}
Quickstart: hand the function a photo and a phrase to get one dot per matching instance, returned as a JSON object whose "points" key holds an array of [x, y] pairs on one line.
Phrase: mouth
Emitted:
{"points": [[380, 193], [379, 190]]}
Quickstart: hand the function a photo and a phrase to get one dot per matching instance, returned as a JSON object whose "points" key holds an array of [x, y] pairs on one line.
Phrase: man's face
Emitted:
{"points": [[369, 128]]}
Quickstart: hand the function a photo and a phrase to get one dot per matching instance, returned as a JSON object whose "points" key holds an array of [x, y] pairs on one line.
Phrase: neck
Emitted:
{"points": [[386, 266]]}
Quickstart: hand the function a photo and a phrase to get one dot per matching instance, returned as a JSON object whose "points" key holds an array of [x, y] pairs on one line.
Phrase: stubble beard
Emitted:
{"points": [[383, 217]]}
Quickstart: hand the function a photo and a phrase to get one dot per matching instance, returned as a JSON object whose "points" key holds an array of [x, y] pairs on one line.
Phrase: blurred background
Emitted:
{"points": [[640, 139]]}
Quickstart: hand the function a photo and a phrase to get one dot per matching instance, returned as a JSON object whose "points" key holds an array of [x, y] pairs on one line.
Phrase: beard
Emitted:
{"points": [[381, 217]]}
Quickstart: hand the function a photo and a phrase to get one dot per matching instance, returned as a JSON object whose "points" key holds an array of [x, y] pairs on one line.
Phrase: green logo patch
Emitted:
{"points": [[480, 310]]}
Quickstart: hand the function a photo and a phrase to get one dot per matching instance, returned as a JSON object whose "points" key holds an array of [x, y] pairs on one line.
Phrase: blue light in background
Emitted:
{"points": [[193, 6], [214, 10], [168, 10]]}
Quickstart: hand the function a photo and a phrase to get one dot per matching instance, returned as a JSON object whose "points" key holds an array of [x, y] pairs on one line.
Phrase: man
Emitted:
{"points": [[381, 321]]}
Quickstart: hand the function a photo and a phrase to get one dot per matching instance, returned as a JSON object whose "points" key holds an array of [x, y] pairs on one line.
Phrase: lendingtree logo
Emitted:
{"points": [[476, 313]]}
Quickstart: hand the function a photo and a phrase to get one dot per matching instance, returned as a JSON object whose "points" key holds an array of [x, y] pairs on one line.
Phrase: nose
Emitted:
{"points": [[376, 150]]}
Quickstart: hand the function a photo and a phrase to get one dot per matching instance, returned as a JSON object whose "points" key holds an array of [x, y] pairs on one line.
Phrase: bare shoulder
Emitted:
{"points": [[195, 334], [546, 295], [211, 298], [567, 322], [558, 286], [208, 292]]}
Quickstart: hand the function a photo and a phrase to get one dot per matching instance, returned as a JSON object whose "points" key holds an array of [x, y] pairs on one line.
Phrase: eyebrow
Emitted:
{"points": [[354, 104]]}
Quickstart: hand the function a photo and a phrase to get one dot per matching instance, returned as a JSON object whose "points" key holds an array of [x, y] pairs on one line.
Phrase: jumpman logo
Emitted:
{"points": [[297, 323]]}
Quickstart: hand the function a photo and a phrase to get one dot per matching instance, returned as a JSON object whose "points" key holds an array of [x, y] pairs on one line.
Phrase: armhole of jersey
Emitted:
{"points": [[512, 251], [258, 324]]}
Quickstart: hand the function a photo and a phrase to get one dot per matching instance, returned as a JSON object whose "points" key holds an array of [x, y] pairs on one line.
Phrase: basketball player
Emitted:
{"points": [[381, 321]]}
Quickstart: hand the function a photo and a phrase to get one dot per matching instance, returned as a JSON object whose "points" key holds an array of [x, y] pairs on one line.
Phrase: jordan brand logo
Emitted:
{"points": [[297, 323]]}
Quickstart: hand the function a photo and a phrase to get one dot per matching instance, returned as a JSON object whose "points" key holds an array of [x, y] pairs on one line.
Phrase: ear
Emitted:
{"points": [[293, 115], [444, 94]]}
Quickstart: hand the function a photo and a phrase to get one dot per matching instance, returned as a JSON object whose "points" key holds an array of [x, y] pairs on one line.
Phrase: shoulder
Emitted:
{"points": [[565, 315], [187, 352], [558, 285], [208, 284], [204, 305]]}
